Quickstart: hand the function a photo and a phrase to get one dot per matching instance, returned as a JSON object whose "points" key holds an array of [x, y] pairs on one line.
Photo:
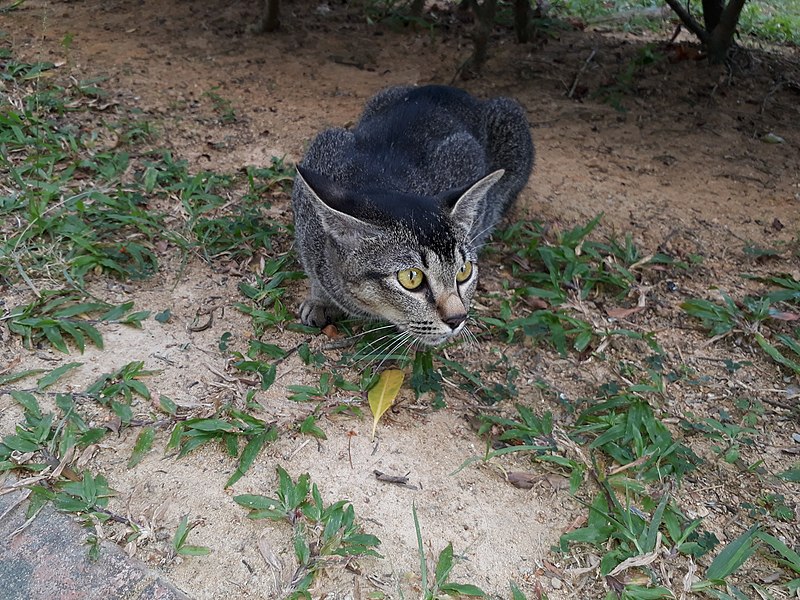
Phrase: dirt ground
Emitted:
{"points": [[685, 169]]}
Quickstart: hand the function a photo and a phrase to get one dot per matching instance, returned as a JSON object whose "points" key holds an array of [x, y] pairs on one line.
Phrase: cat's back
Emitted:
{"points": [[418, 113]]}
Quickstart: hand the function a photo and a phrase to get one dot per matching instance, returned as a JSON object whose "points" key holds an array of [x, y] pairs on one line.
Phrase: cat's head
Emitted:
{"points": [[403, 258]]}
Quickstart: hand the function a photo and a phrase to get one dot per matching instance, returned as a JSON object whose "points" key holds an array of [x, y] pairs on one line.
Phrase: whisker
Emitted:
{"points": [[480, 233], [373, 349], [402, 339], [385, 345]]}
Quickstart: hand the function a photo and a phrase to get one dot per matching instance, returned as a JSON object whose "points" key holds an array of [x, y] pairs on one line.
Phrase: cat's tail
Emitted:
{"points": [[509, 147]]}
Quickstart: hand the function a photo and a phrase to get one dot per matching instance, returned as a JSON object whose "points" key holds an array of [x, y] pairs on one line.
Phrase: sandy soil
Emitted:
{"points": [[683, 169]]}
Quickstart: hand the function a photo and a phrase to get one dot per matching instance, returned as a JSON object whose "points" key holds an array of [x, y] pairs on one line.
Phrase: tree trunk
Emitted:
{"points": [[722, 35], [522, 18], [484, 15], [270, 17], [712, 11], [720, 25]]}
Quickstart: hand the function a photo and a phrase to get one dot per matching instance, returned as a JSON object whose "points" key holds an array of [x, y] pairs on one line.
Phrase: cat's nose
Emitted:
{"points": [[452, 310], [455, 320]]}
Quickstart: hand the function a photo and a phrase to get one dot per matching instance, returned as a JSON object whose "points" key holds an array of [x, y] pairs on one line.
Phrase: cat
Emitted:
{"points": [[390, 216]]}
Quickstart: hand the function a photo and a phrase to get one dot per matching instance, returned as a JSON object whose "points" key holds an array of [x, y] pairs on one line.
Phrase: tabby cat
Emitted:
{"points": [[390, 216]]}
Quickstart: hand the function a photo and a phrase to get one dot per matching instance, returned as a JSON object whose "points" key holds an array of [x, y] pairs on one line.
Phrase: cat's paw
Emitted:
{"points": [[317, 314]]}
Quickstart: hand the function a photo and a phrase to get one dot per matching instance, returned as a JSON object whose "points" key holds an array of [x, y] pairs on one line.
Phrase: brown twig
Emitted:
{"points": [[580, 72]]}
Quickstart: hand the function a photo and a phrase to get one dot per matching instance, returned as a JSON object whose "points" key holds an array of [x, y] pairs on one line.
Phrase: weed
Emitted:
{"points": [[439, 584], [267, 295], [179, 545], [143, 445], [228, 427], [58, 315], [118, 388], [572, 265], [556, 277], [759, 317], [731, 437], [622, 424], [222, 106], [308, 426], [624, 84], [321, 532]]}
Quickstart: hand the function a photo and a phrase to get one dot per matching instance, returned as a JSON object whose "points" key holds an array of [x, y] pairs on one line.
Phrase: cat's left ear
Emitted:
{"points": [[468, 206]]}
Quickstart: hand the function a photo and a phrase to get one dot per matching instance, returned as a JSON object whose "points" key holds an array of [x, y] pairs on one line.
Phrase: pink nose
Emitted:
{"points": [[452, 310]]}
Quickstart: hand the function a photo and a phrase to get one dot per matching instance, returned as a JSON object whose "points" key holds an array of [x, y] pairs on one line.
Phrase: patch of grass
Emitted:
{"points": [[81, 196], [58, 316], [775, 21], [60, 224], [323, 534], [572, 266], [437, 583], [229, 427], [48, 445], [765, 319], [267, 295], [179, 545], [117, 389], [624, 83], [222, 106], [551, 278], [622, 423], [221, 227]]}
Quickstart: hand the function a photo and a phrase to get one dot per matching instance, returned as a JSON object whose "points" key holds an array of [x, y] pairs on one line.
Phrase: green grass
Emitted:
{"points": [[323, 534], [765, 319]]}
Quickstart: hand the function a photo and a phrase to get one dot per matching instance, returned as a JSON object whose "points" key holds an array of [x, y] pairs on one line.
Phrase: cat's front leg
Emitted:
{"points": [[317, 310]]}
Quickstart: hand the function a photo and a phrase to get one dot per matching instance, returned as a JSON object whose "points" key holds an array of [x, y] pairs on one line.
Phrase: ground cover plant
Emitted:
{"points": [[648, 451]]}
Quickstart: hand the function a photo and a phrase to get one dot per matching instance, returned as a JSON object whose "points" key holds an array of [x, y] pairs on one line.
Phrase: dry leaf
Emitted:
{"points": [[621, 313], [639, 561], [269, 556], [382, 395], [331, 331], [782, 315], [522, 480]]}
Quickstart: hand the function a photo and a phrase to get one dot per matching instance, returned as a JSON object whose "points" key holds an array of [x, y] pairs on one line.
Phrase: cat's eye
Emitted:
{"points": [[410, 279], [464, 273]]}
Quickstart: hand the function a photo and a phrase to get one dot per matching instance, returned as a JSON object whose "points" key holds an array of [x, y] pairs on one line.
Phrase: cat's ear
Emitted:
{"points": [[465, 208], [329, 197]]}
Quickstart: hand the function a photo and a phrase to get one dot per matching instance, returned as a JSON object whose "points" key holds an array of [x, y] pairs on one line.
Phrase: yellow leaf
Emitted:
{"points": [[383, 393]]}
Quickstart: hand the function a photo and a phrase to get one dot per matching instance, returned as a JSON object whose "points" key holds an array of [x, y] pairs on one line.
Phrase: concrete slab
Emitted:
{"points": [[48, 560]]}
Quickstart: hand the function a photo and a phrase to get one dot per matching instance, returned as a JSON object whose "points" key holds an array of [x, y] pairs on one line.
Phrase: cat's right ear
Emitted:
{"points": [[469, 205], [328, 197]]}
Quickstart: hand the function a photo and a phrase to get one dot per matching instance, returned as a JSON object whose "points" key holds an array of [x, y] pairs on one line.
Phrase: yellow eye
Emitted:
{"points": [[410, 279], [464, 273]]}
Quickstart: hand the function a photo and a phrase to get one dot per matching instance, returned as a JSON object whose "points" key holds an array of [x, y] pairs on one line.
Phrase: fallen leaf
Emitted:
{"points": [[537, 303], [382, 395], [641, 560], [783, 315], [557, 482], [621, 313], [522, 480], [576, 523], [771, 138], [269, 556]]}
